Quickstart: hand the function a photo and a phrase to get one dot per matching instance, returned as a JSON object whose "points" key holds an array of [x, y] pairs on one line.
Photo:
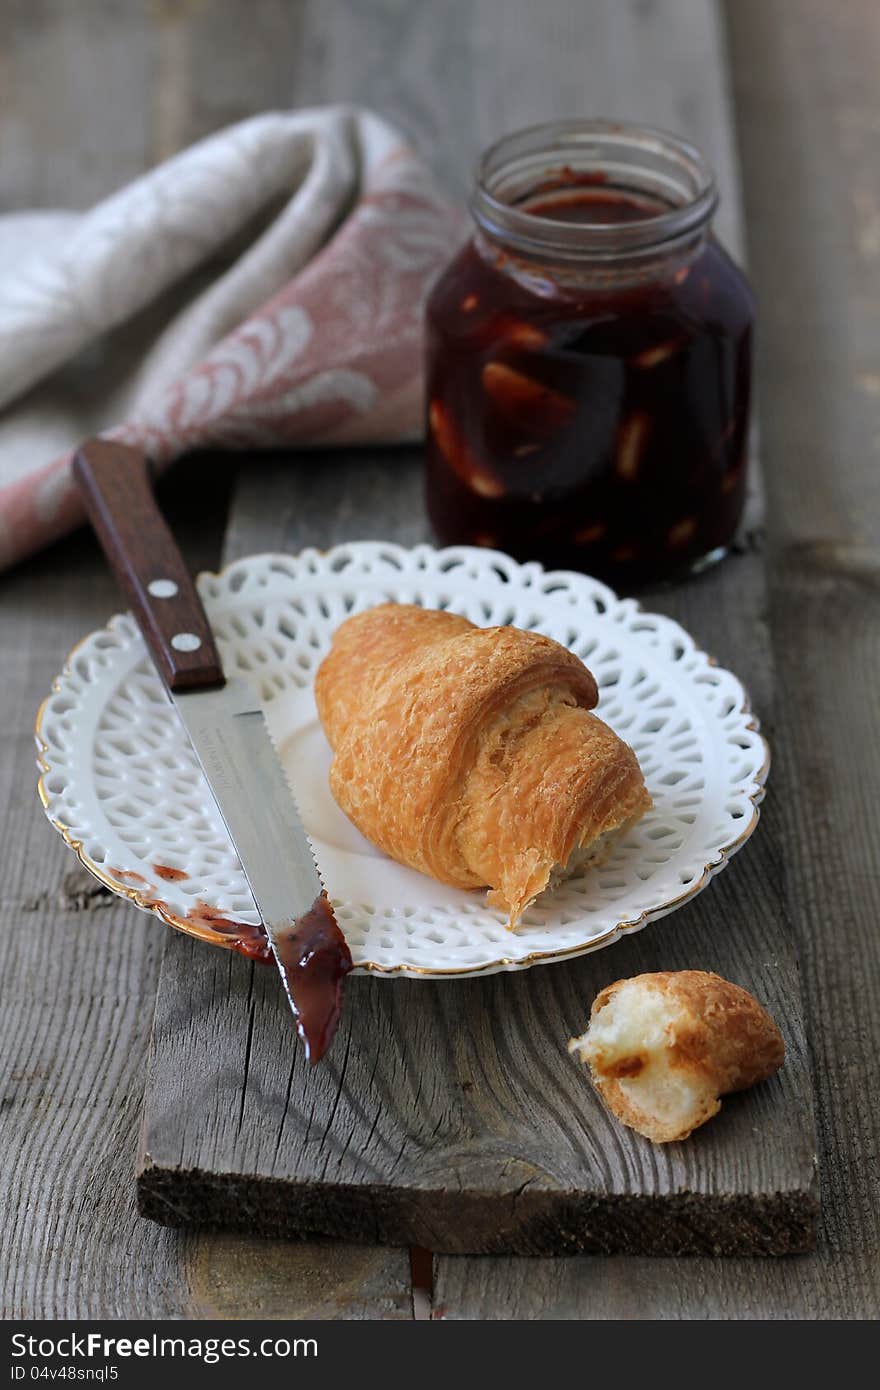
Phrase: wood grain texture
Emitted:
{"points": [[457, 83], [822, 422], [431, 1092], [77, 976], [806, 102], [807, 119], [89, 97], [70, 136], [448, 1114]]}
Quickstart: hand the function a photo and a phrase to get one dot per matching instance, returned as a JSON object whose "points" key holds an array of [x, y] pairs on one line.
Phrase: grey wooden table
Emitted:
{"points": [[79, 970]]}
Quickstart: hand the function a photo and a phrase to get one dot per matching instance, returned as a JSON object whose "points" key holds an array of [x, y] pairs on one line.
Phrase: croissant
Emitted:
{"points": [[470, 753], [662, 1048]]}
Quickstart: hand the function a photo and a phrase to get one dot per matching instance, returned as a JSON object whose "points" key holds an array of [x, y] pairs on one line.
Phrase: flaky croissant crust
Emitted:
{"points": [[470, 753]]}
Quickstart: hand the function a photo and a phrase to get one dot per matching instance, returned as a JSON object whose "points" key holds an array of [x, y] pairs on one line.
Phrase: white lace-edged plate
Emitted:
{"points": [[121, 783]]}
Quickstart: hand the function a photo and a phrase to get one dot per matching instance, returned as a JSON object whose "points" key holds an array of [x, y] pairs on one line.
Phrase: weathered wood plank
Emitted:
{"points": [[447, 1142], [236, 1277], [77, 976], [77, 971], [89, 97], [824, 412], [807, 121], [822, 424], [454, 85], [425, 1124], [93, 94], [74, 101], [449, 1116]]}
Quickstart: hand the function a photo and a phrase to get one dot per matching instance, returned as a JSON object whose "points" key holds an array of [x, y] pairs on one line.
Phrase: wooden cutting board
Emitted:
{"points": [[449, 1114]]}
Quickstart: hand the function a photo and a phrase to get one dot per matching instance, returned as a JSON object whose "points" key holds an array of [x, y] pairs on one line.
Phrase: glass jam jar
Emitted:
{"points": [[589, 359]]}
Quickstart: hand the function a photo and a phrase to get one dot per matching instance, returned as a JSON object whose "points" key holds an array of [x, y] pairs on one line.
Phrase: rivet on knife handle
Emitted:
{"points": [[115, 483]]}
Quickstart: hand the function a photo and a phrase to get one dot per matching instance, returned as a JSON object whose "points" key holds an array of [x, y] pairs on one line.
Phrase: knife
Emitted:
{"points": [[227, 730]]}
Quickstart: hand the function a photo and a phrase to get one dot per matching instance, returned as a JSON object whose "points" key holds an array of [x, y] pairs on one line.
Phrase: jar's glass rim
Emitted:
{"points": [[640, 155]]}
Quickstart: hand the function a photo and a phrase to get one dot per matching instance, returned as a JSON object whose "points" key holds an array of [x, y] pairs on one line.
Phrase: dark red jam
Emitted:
{"points": [[314, 959], [594, 422]]}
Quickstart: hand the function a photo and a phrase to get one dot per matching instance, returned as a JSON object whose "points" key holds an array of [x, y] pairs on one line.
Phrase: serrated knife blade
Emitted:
{"points": [[228, 733]]}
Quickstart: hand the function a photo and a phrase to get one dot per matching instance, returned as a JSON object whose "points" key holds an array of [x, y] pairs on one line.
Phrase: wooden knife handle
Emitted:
{"points": [[114, 480]]}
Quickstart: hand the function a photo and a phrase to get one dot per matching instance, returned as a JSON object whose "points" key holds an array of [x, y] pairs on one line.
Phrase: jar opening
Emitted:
{"points": [[592, 189]]}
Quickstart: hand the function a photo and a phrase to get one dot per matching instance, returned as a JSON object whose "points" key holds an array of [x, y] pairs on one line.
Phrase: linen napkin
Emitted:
{"points": [[265, 287]]}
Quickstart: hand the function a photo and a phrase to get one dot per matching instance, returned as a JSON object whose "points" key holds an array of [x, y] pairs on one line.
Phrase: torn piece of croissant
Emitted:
{"points": [[663, 1048], [470, 753]]}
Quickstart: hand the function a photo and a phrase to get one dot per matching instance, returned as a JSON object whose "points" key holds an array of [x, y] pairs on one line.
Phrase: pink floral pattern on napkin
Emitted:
{"points": [[333, 356]]}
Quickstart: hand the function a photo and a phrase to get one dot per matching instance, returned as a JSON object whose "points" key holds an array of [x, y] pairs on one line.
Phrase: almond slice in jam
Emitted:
{"points": [[459, 457], [589, 535], [631, 439], [501, 329], [527, 403], [660, 352], [523, 335], [682, 532]]}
